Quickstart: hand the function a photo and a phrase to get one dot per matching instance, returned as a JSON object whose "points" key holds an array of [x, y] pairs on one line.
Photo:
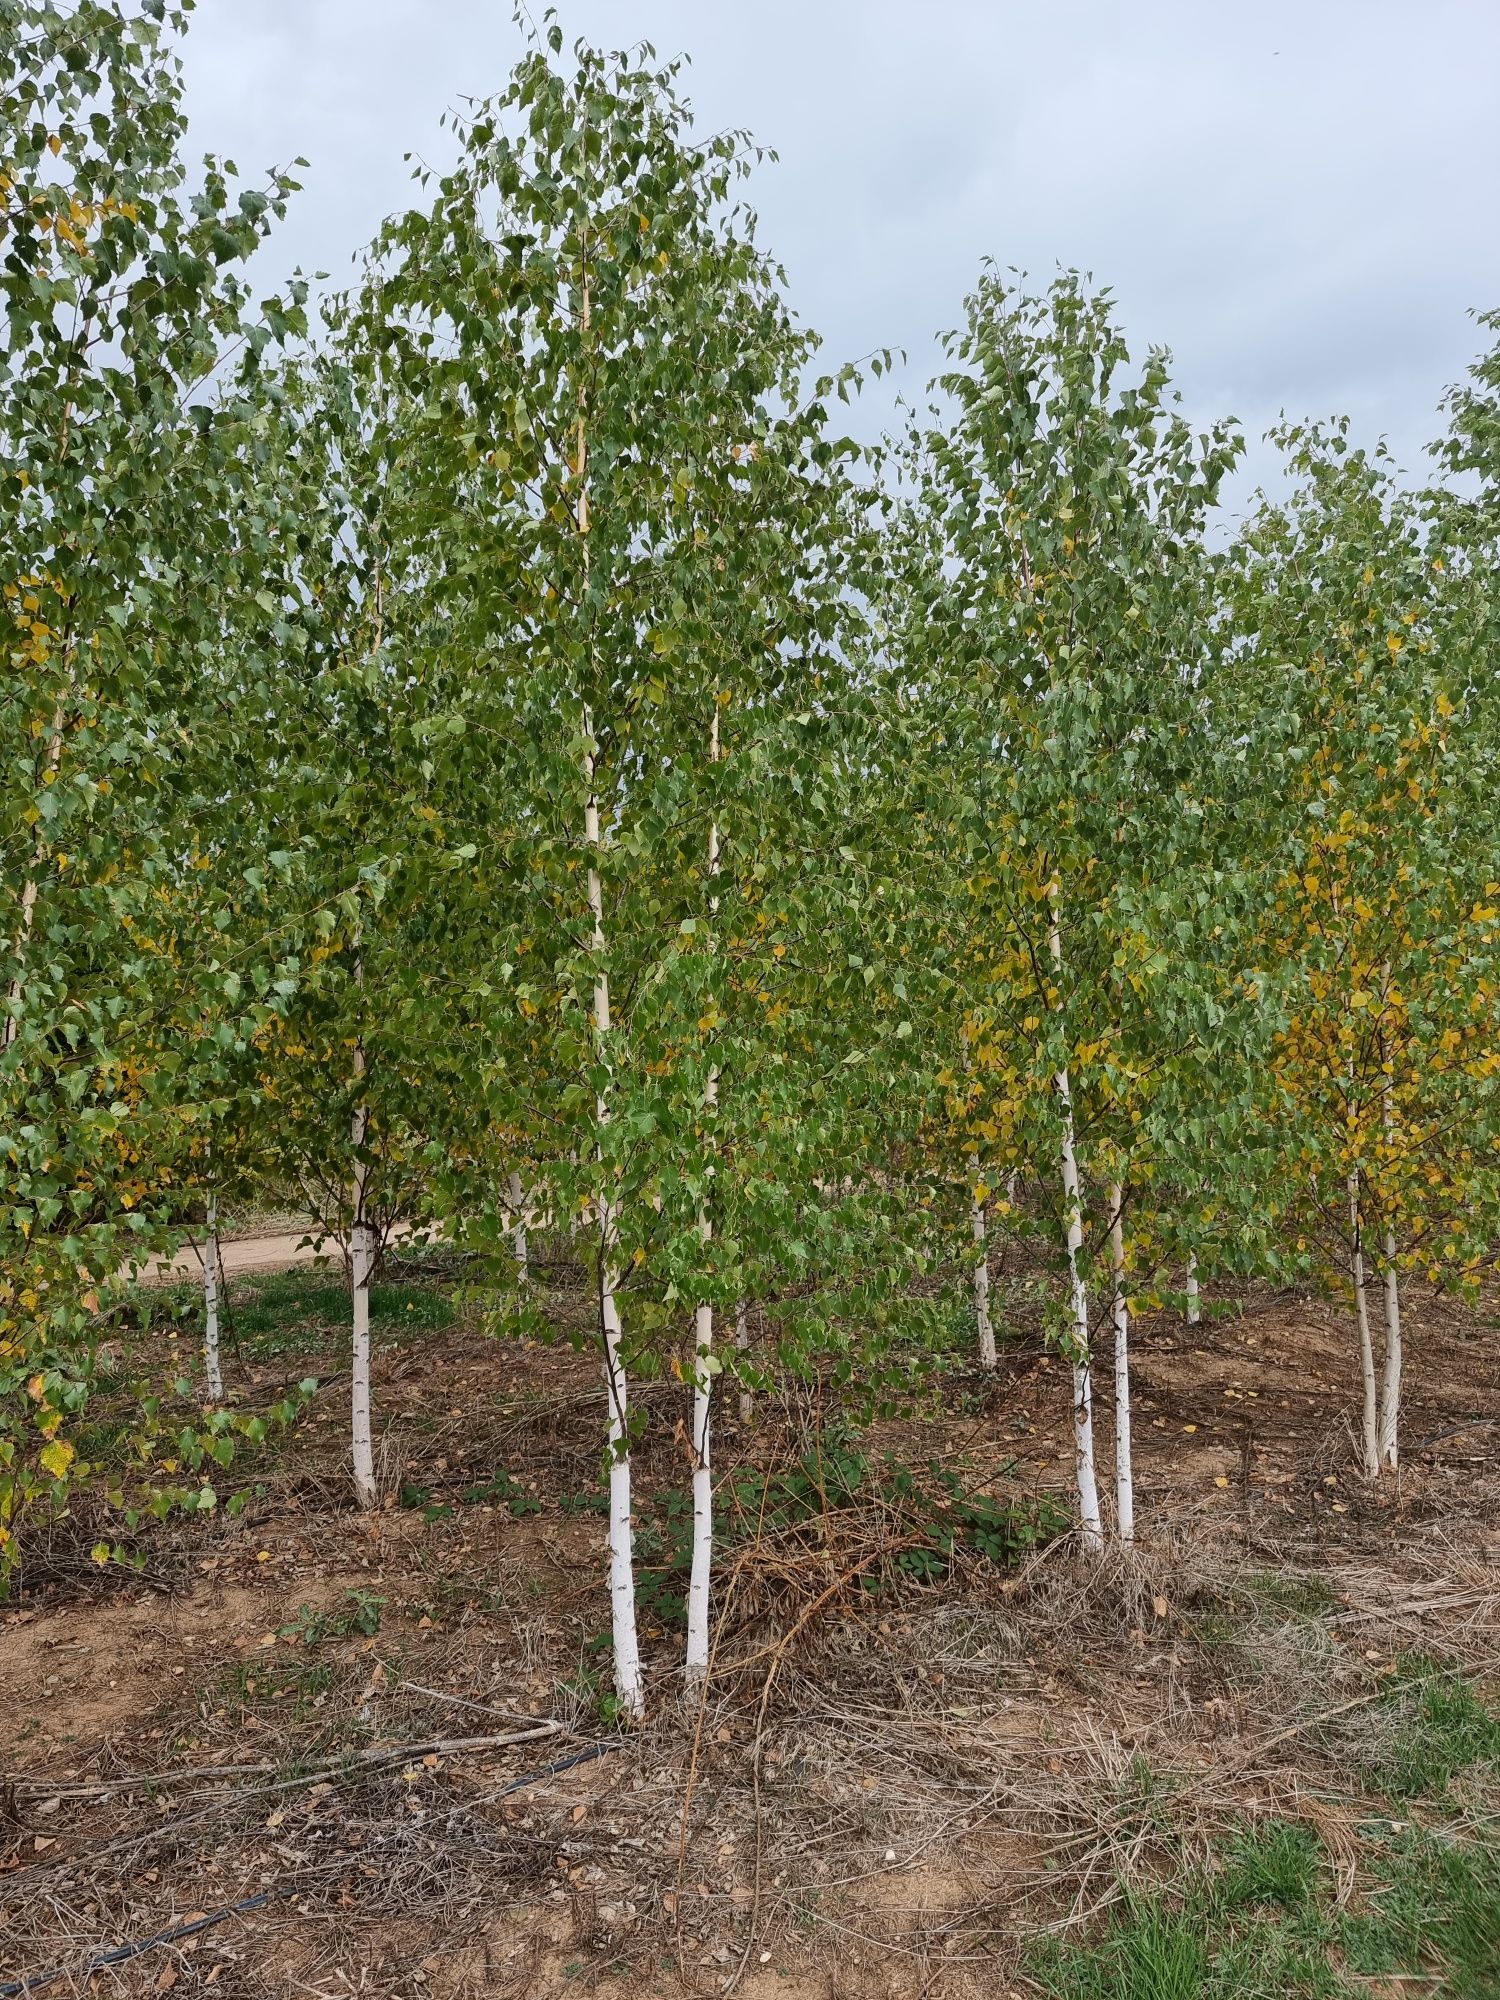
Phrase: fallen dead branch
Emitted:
{"points": [[367, 1759]]}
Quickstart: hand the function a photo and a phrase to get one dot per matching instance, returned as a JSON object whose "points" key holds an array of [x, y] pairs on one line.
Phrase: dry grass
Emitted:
{"points": [[883, 1791]]}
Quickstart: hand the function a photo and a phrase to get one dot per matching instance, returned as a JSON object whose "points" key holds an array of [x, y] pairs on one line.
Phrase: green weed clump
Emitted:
{"points": [[936, 1513]]}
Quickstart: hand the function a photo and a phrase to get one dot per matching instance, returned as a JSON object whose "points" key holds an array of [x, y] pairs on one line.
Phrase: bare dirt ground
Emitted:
{"points": [[891, 1783]]}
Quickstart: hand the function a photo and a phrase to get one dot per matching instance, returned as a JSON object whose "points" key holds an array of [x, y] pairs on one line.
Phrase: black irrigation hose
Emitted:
{"points": [[121, 1952]]}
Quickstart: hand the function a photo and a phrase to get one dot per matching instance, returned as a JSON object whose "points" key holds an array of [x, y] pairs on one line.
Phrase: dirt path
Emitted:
{"points": [[276, 1250], [238, 1255]]}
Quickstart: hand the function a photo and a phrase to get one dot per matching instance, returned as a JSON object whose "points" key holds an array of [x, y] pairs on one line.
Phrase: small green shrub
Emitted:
{"points": [[313, 1628], [942, 1518], [501, 1490]]}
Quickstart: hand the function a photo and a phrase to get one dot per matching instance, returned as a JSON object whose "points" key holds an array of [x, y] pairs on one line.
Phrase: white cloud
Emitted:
{"points": [[1298, 199]]}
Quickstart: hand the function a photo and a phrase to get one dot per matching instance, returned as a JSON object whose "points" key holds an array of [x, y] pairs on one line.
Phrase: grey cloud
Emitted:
{"points": [[1297, 199]]}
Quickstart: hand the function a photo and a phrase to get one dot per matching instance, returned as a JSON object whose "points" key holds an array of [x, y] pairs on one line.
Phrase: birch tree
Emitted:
{"points": [[616, 407], [124, 293], [1058, 642], [1381, 913]]}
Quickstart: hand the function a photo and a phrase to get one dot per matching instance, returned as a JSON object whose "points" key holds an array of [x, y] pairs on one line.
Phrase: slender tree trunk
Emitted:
{"points": [[627, 1655], [629, 1686], [1089, 1518], [742, 1346], [1390, 1387], [361, 1266], [987, 1355], [700, 1576], [1120, 1310], [1194, 1312], [518, 1231], [211, 1368], [980, 1234], [695, 1660], [1370, 1432]]}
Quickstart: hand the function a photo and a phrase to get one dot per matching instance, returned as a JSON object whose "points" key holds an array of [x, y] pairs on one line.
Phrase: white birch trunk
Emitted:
{"points": [[212, 1370], [742, 1346], [1089, 1519], [518, 1228], [1370, 1429], [695, 1659], [627, 1654], [629, 1687], [1194, 1312], [1390, 1387], [987, 1355], [1120, 1312], [1389, 1449], [361, 1265]]}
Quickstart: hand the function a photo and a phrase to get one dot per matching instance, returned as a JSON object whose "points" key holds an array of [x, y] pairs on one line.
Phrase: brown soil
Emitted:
{"points": [[940, 1769]]}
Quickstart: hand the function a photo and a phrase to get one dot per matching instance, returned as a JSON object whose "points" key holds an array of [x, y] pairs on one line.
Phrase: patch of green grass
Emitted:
{"points": [[254, 1683], [1216, 1627], [1264, 1925], [1291, 1595], [1260, 1617], [1433, 1912], [940, 1516], [1445, 1729], [1275, 1865], [300, 1311], [1250, 1933]]}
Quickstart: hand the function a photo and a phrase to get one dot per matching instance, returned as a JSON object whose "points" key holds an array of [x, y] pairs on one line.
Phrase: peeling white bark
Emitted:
{"points": [[1090, 1522], [1370, 1426], [361, 1266], [1120, 1312], [212, 1370], [987, 1354], [629, 1686], [695, 1658], [1388, 1439], [1388, 1442], [518, 1226]]}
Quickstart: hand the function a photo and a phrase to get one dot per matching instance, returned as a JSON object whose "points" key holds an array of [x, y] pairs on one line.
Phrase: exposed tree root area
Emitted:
{"points": [[891, 1788]]}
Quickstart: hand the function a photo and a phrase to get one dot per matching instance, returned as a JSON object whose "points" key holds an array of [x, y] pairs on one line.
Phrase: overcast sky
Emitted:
{"points": [[1298, 197]]}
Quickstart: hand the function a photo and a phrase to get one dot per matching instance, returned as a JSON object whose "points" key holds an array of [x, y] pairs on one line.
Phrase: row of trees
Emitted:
{"points": [[507, 762]]}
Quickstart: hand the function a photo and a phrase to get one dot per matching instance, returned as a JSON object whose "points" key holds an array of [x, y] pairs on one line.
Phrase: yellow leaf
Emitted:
{"points": [[57, 1457]]}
